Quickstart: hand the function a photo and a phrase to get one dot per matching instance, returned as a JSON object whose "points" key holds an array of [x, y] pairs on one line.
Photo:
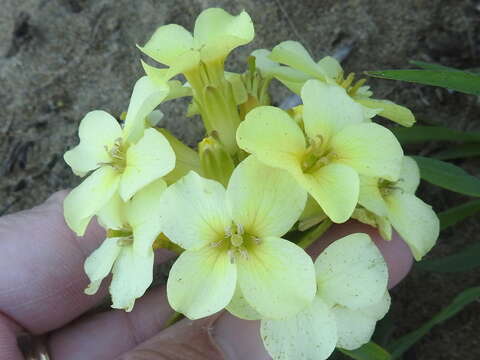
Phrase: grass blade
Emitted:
{"points": [[459, 152], [419, 134], [448, 176], [458, 213], [450, 79], [466, 297], [465, 260], [369, 351]]}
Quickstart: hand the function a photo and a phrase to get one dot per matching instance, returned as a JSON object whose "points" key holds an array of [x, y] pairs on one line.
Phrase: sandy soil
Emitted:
{"points": [[62, 58]]}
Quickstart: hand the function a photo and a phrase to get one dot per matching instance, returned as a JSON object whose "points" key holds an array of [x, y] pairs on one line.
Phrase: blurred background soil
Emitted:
{"points": [[60, 59]]}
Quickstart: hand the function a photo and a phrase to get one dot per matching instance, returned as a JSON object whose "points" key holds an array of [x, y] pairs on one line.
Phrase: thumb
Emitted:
{"points": [[185, 340]]}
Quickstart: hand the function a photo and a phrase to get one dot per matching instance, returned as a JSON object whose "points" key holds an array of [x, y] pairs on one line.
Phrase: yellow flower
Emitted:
{"points": [[215, 35], [352, 296], [122, 159], [395, 203], [201, 59], [337, 145], [302, 67], [127, 251], [233, 245]]}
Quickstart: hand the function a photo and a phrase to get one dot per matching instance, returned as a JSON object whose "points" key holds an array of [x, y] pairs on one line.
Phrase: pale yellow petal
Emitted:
{"points": [[409, 175], [277, 278], [352, 272], [146, 96], [112, 215], [239, 307], [273, 136], [86, 200], [356, 327], [143, 213], [294, 54], [263, 63], [98, 130], [371, 197], [194, 212], [217, 33], [309, 335], [201, 282], [132, 275], [415, 221], [397, 113], [335, 187], [99, 263], [268, 207], [370, 149], [331, 67], [149, 159], [168, 44], [328, 109]]}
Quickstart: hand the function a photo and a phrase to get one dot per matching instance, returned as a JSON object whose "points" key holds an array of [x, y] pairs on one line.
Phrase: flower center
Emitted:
{"points": [[125, 236], [237, 242], [349, 84], [388, 187], [316, 155], [117, 155]]}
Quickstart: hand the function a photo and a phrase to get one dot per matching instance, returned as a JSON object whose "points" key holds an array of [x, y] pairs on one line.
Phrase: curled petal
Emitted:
{"points": [[217, 33]]}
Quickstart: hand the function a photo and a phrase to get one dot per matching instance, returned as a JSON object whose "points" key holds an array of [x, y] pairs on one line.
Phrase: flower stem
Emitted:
{"points": [[310, 237]]}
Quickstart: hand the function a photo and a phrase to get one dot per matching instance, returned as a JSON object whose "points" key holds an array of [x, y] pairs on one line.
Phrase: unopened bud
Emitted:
{"points": [[215, 161]]}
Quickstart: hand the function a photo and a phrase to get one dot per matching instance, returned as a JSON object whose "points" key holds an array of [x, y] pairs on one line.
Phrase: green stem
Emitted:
{"points": [[310, 237]]}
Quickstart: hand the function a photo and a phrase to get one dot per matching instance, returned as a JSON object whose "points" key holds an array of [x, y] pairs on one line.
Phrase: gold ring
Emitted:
{"points": [[33, 347]]}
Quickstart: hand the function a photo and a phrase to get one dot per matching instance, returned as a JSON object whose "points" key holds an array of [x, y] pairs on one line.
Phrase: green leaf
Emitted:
{"points": [[456, 214], [450, 79], [430, 66], [465, 260], [419, 134], [448, 176], [369, 351], [401, 345], [459, 151]]}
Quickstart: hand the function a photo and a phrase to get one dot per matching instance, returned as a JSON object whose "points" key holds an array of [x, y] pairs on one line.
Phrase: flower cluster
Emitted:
{"points": [[237, 209]]}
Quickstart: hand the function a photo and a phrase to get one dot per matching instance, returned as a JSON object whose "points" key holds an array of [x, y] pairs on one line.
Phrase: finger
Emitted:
{"points": [[47, 260], [8, 339], [109, 334], [396, 252], [185, 340]]}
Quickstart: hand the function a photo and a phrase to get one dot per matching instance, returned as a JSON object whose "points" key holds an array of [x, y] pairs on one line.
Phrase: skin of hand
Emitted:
{"points": [[41, 292]]}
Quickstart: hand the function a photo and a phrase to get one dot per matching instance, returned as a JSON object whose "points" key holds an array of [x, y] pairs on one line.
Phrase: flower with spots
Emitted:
{"points": [[351, 297], [233, 245], [395, 204], [122, 160], [328, 150]]}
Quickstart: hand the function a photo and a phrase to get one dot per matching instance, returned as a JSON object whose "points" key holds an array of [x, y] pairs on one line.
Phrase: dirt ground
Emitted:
{"points": [[62, 58]]}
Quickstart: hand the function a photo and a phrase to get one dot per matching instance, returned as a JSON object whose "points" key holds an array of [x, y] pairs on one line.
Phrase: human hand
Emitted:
{"points": [[41, 292]]}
